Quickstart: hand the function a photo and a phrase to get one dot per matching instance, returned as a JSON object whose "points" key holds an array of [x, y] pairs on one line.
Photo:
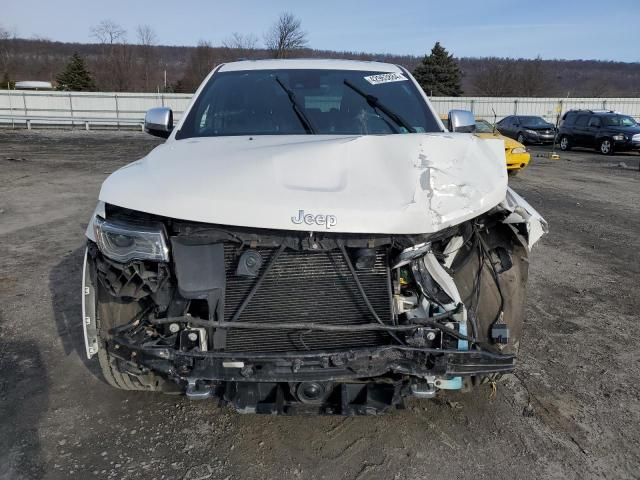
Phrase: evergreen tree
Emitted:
{"points": [[76, 77], [438, 74], [7, 83]]}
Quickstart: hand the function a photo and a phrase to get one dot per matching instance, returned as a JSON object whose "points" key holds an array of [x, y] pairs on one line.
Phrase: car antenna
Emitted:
{"points": [[495, 117]]}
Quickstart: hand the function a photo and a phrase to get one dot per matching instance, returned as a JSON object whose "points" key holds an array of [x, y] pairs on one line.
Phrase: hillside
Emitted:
{"points": [[142, 68]]}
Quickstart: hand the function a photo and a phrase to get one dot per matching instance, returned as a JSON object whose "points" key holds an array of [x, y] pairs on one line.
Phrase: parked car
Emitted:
{"points": [[527, 129], [606, 131], [309, 238], [515, 152]]}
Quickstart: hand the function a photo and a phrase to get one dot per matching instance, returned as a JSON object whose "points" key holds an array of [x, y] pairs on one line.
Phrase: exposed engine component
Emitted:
{"points": [[404, 315]]}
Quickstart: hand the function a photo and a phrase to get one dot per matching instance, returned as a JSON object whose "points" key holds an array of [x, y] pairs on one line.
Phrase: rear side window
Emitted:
{"points": [[582, 120], [594, 121], [569, 119]]}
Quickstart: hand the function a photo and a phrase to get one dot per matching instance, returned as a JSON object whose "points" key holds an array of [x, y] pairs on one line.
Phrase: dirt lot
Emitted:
{"points": [[573, 410]]}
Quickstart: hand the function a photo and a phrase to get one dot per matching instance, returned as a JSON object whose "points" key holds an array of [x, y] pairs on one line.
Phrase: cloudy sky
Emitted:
{"points": [[574, 29]]}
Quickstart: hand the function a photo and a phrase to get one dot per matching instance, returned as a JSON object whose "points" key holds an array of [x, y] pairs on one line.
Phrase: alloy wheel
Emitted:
{"points": [[605, 147]]}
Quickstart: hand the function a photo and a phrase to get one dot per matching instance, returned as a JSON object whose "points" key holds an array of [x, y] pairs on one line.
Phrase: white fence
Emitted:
{"points": [[548, 108], [83, 109]]}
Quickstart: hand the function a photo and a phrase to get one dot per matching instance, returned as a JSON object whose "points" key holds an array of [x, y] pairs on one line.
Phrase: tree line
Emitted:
{"points": [[113, 63]]}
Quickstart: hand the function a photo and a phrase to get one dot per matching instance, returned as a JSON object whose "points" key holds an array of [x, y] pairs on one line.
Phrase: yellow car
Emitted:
{"points": [[516, 153]]}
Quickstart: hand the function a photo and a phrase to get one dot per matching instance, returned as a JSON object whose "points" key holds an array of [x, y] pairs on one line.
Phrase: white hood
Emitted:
{"points": [[415, 183]]}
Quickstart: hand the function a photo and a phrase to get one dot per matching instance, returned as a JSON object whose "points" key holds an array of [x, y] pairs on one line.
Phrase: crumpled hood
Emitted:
{"points": [[414, 183]]}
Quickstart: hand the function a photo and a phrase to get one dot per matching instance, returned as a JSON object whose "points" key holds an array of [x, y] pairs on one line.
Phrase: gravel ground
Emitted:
{"points": [[572, 410]]}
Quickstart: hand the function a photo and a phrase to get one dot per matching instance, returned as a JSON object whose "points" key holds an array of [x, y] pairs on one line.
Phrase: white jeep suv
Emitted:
{"points": [[309, 239]]}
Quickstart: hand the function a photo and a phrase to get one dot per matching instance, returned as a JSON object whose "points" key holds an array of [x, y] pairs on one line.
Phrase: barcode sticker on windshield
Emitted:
{"points": [[385, 78]]}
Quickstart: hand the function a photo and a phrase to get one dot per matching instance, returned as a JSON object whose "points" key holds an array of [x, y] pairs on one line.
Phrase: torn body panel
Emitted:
{"points": [[524, 215]]}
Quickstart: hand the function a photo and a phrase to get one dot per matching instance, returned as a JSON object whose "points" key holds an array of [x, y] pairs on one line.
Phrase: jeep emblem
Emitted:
{"points": [[326, 221]]}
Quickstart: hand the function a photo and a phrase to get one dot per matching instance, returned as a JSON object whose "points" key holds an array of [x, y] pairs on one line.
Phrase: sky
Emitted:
{"points": [[571, 29]]}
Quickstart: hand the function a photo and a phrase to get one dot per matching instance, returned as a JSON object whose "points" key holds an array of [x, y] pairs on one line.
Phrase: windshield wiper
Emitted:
{"points": [[375, 103], [306, 123]]}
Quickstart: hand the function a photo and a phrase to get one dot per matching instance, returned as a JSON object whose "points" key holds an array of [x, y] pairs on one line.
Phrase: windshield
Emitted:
{"points": [[619, 121], [482, 126], [533, 122], [259, 102]]}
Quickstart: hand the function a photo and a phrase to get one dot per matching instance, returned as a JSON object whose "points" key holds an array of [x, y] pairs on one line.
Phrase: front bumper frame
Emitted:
{"points": [[335, 366]]}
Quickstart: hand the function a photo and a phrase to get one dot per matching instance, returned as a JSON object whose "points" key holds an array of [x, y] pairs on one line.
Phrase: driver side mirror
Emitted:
{"points": [[461, 121], [159, 122]]}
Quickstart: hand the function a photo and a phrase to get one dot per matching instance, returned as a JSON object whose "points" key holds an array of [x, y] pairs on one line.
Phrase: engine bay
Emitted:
{"points": [[268, 315]]}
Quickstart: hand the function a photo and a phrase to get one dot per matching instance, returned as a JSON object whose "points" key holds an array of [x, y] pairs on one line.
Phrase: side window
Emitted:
{"points": [[569, 119], [594, 121], [582, 120], [506, 122]]}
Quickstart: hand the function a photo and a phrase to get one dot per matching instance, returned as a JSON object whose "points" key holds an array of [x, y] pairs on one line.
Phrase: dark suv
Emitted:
{"points": [[527, 129], [605, 131]]}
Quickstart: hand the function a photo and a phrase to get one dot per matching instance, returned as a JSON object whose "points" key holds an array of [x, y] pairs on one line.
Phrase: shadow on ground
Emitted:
{"points": [[24, 398], [65, 284]]}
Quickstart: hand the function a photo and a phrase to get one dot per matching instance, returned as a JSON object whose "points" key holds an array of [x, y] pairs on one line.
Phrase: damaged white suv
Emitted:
{"points": [[309, 239]]}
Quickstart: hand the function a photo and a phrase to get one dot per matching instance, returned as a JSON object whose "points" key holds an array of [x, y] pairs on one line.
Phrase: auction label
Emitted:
{"points": [[385, 78]]}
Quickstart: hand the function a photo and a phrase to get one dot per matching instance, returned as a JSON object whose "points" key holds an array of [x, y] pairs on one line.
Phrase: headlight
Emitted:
{"points": [[618, 136], [122, 241], [531, 132], [519, 150]]}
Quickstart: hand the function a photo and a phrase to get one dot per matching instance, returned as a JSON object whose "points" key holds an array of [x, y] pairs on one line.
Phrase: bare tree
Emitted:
{"points": [[146, 35], [495, 78], [7, 55], [147, 38], [285, 36], [532, 80], [116, 64], [239, 46], [201, 61], [238, 41], [109, 32]]}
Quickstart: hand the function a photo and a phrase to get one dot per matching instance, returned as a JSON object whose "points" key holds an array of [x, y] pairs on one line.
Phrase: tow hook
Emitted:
{"points": [[194, 392], [423, 390]]}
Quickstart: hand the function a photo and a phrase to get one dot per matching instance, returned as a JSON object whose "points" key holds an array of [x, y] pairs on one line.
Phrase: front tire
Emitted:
{"points": [[521, 139], [606, 147], [565, 145], [111, 312]]}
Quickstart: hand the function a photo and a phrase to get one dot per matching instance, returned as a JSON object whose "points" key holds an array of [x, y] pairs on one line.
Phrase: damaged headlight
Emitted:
{"points": [[122, 242], [411, 253]]}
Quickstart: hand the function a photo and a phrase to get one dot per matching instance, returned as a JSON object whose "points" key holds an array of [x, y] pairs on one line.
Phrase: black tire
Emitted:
{"points": [[565, 143], [520, 138], [605, 147], [513, 173], [110, 312]]}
